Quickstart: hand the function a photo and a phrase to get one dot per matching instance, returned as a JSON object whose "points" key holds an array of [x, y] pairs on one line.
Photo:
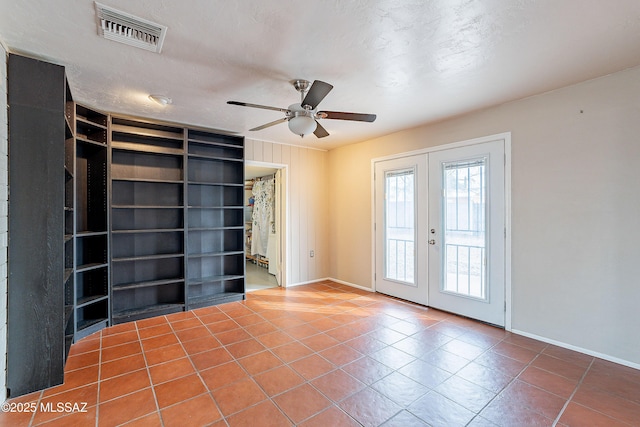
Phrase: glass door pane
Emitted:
{"points": [[465, 237], [400, 229]]}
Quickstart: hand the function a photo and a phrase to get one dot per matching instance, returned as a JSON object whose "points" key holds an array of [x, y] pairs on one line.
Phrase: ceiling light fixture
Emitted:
{"points": [[302, 121], [161, 99]]}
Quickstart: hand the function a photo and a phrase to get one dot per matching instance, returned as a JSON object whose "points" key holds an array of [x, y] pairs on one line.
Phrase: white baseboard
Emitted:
{"points": [[342, 282], [291, 285], [578, 349]]}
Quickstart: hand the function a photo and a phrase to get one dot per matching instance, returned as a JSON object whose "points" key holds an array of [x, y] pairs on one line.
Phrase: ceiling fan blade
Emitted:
{"points": [[337, 115], [316, 94], [264, 107], [273, 123], [320, 132]]}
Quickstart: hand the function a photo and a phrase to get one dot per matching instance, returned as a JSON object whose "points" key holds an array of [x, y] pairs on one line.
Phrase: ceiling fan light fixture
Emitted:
{"points": [[302, 125], [161, 99]]}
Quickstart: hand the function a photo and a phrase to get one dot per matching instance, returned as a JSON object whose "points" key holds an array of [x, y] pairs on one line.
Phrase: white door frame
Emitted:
{"points": [[284, 209], [506, 137]]}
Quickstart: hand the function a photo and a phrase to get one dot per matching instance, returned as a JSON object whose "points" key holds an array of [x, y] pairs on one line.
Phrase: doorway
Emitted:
{"points": [[440, 228], [264, 203]]}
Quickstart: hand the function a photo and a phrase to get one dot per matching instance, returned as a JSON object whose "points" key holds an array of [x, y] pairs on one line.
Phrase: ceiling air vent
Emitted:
{"points": [[128, 29]]}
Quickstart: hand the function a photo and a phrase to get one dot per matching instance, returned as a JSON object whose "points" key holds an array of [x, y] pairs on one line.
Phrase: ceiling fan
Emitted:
{"points": [[303, 117]]}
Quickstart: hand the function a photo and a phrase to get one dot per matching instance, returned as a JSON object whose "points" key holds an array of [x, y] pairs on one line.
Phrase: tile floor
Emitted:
{"points": [[257, 278], [328, 355]]}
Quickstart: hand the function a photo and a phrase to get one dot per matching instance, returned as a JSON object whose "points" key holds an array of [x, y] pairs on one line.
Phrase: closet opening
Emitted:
{"points": [[265, 225]]}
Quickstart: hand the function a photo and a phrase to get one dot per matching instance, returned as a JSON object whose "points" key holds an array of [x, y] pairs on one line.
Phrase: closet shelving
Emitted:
{"points": [[147, 219], [215, 218], [91, 247]]}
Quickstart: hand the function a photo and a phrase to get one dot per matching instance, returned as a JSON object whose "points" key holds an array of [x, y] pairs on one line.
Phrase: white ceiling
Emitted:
{"points": [[409, 61]]}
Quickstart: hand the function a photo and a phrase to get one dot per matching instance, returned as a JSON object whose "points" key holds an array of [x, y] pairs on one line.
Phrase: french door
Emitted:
{"points": [[440, 226]]}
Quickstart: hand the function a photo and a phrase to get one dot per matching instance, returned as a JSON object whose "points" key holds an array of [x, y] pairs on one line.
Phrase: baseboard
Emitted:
{"points": [[578, 349], [353, 285], [310, 282]]}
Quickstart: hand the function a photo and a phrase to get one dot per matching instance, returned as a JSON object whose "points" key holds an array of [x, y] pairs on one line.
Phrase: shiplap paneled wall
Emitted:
{"points": [[4, 224], [307, 206]]}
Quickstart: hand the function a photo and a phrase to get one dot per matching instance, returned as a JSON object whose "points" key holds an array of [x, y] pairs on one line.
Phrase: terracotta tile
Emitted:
{"points": [[387, 336], [479, 421], [286, 321], [484, 377], [367, 344], [120, 351], [208, 318], [250, 319], [222, 326], [301, 403], [268, 414], [344, 333], [118, 329], [432, 338], [559, 367], [259, 362], [82, 360], [567, 355], [500, 363], [301, 331], [405, 327], [233, 336], [479, 339], [506, 412], [80, 399], [171, 370], [400, 388], [235, 309], [159, 341], [405, 419], [154, 331], [465, 393], [341, 355], [164, 354], [320, 342], [437, 410], [83, 346], [211, 358], [201, 344], [17, 418], [172, 392], [116, 387], [608, 404], [534, 398], [274, 339], [118, 339], [126, 408], [259, 329], [513, 351], [292, 351], [548, 381], [338, 385], [392, 357], [369, 408], [223, 375], [81, 418], [324, 324], [332, 416], [74, 379], [312, 366], [462, 349], [578, 415], [526, 342], [122, 366], [192, 333], [151, 420], [198, 411], [424, 373], [413, 347], [367, 370], [448, 328], [238, 396], [152, 321], [278, 380], [186, 324], [205, 311], [245, 348], [181, 315]]}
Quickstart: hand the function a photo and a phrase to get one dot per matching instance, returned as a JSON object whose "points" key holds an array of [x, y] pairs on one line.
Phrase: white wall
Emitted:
{"points": [[575, 209], [308, 211], [4, 208]]}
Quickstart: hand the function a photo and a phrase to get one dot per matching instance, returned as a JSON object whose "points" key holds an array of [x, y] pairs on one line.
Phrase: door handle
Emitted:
{"points": [[432, 242]]}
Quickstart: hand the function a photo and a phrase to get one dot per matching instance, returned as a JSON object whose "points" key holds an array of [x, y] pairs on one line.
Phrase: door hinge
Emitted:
{"points": [[505, 306]]}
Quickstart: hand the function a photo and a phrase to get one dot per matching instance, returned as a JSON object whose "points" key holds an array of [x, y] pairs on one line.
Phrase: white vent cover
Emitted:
{"points": [[128, 29]]}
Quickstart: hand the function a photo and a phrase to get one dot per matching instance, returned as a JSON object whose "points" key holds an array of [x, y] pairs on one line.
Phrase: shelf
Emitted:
{"points": [[148, 257], [208, 157], [148, 230], [89, 267], [219, 184], [212, 279], [133, 146], [235, 227], [67, 274], [206, 300], [146, 311], [147, 284], [89, 122], [215, 254], [217, 144], [89, 326], [82, 302], [85, 140], [144, 131], [215, 207], [144, 207], [149, 180], [89, 233], [68, 237], [68, 309]]}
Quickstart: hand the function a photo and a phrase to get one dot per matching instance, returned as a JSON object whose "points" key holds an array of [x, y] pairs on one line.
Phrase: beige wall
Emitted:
{"points": [[308, 210], [575, 209]]}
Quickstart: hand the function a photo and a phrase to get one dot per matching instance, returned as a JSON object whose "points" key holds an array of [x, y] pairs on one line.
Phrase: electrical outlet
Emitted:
{"points": [[312, 254]]}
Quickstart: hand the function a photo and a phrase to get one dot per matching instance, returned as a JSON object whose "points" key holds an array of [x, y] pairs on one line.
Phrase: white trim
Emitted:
{"points": [[506, 137], [284, 143], [309, 282], [578, 349], [353, 285]]}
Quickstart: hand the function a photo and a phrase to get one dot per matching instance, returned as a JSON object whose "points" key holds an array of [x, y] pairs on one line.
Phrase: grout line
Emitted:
{"points": [[575, 390], [146, 365], [99, 380]]}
